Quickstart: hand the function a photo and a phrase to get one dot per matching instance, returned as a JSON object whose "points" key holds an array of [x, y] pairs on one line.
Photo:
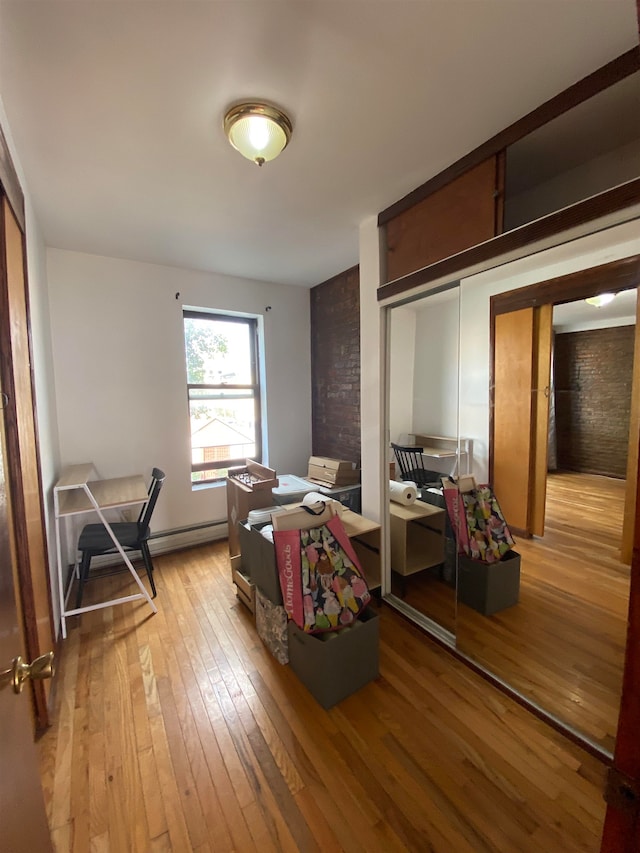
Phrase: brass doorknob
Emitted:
{"points": [[41, 667]]}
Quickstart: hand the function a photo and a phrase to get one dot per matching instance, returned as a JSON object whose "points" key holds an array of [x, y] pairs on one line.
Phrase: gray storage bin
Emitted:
{"points": [[334, 665], [259, 559], [489, 587]]}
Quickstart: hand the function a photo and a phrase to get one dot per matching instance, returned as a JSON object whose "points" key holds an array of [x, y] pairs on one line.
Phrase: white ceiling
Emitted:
{"points": [[116, 112]]}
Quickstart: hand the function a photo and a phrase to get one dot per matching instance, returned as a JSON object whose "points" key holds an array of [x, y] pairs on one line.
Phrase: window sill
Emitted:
{"points": [[200, 487]]}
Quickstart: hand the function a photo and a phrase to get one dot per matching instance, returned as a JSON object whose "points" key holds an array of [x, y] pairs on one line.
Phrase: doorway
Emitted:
{"points": [[521, 382]]}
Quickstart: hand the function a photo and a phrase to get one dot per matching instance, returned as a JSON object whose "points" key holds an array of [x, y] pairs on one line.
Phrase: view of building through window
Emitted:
{"points": [[223, 390]]}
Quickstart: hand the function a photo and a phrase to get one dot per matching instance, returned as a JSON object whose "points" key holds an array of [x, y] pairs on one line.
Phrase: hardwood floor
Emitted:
{"points": [[563, 644], [180, 732]]}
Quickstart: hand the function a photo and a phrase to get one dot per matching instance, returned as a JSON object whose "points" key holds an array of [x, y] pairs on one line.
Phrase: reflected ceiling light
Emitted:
{"points": [[258, 131], [602, 299]]}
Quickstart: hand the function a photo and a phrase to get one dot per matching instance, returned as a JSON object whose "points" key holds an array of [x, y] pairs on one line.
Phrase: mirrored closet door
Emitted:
{"points": [[510, 388]]}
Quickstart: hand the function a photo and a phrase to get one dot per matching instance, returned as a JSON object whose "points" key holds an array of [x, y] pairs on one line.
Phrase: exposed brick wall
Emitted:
{"points": [[594, 371], [335, 366]]}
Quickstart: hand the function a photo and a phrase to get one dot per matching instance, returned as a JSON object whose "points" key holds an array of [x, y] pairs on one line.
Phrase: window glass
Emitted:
{"points": [[223, 393]]}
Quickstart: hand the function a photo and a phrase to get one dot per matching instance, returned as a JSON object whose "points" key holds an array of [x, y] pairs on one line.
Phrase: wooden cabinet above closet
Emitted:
{"points": [[464, 212], [574, 159]]}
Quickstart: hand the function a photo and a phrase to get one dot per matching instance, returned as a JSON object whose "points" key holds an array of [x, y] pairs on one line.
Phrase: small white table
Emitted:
{"points": [[75, 493], [452, 456]]}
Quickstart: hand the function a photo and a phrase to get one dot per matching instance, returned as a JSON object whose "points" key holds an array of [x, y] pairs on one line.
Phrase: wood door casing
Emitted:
{"points": [[24, 821], [23, 461], [626, 547], [543, 335], [513, 378]]}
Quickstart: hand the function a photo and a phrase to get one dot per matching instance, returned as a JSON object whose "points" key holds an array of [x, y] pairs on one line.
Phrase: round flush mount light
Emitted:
{"points": [[257, 130], [601, 299]]}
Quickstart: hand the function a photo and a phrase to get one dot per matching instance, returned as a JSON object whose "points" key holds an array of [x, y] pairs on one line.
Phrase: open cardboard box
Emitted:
{"points": [[332, 472]]}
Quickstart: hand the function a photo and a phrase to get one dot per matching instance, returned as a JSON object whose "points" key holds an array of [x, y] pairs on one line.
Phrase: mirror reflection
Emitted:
{"points": [[547, 392]]}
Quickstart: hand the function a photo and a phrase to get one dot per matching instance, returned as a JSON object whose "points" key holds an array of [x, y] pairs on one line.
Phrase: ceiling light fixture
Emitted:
{"points": [[601, 299], [258, 131]]}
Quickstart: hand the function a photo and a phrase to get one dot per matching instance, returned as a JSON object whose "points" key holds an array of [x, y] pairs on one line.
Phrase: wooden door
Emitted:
{"points": [[465, 212], [24, 826], [520, 415], [23, 464], [512, 414]]}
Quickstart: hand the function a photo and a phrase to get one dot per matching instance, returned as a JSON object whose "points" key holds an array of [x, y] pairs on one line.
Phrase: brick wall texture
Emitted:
{"points": [[593, 396], [335, 366]]}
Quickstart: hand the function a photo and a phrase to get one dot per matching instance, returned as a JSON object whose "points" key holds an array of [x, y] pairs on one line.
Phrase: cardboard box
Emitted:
{"points": [[334, 665], [271, 625], [254, 476], [332, 472], [245, 588], [248, 487], [489, 587]]}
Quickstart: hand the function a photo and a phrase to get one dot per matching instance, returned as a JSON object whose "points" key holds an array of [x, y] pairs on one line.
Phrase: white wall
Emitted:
{"points": [[587, 179], [435, 392], [372, 400], [401, 373], [119, 364], [424, 367]]}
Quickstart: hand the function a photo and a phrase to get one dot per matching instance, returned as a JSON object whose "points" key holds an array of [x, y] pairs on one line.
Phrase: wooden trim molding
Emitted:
{"points": [[599, 80], [9, 182], [581, 213], [605, 278]]}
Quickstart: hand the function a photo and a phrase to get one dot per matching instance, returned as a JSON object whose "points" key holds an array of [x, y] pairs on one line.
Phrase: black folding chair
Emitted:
{"points": [[132, 536], [411, 466]]}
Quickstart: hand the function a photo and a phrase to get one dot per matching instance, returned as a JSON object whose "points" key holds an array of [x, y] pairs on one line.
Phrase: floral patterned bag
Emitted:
{"points": [[478, 523], [323, 587]]}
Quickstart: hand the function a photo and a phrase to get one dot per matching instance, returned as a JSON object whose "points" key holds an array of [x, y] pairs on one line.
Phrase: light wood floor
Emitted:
{"points": [[563, 644], [179, 732]]}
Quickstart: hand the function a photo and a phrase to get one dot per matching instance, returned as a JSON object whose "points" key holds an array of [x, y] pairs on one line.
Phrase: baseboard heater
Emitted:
{"points": [[165, 541], [182, 537]]}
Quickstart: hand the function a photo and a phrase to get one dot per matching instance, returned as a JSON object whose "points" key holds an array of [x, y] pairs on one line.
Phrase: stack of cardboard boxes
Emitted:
{"points": [[331, 665], [249, 487]]}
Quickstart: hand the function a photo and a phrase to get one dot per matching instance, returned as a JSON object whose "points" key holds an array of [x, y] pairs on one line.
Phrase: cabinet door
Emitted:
{"points": [[461, 214]]}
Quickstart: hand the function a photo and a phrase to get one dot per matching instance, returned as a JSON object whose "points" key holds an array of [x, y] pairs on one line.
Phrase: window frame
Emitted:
{"points": [[253, 389]]}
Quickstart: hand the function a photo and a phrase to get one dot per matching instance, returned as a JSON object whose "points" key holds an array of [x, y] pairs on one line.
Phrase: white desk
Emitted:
{"points": [[450, 456], [75, 493]]}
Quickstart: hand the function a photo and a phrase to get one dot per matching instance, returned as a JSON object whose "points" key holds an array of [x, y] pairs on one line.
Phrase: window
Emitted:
{"points": [[223, 391]]}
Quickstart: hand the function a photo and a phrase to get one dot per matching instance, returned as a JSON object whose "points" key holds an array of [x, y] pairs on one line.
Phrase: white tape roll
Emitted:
{"points": [[404, 493]]}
